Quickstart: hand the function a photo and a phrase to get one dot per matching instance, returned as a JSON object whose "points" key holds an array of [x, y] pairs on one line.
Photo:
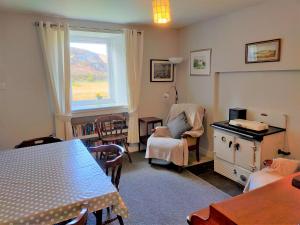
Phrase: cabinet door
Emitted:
{"points": [[245, 153], [223, 146]]}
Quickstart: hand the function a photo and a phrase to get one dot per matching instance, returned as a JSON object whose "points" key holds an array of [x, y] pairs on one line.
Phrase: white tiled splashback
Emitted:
{"points": [[272, 118]]}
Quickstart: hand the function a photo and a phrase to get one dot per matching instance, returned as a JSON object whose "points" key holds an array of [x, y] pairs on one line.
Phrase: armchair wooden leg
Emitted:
{"points": [[197, 150], [179, 169], [197, 155]]}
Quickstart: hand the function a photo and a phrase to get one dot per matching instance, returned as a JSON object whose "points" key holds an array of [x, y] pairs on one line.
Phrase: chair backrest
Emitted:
{"points": [[194, 112], [38, 141], [110, 124], [115, 168], [81, 219], [113, 161]]}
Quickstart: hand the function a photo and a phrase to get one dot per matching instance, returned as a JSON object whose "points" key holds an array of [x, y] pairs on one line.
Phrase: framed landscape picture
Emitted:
{"points": [[200, 62], [263, 51], [161, 70]]}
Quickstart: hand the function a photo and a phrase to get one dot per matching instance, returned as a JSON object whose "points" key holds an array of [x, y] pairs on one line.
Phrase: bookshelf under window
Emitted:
{"points": [[84, 128]]}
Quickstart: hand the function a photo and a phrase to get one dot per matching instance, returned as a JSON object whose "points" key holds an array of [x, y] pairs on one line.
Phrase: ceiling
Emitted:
{"points": [[184, 12]]}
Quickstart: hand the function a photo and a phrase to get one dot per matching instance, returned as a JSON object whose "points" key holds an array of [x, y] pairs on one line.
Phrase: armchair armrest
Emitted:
{"points": [[192, 133], [161, 131], [186, 135]]}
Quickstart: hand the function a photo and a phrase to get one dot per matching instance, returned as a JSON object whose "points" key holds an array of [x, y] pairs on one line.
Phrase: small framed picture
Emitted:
{"points": [[161, 70], [263, 51], [200, 62]]}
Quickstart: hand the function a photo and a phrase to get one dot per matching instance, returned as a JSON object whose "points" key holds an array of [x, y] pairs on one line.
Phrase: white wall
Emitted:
{"points": [[274, 87], [159, 43], [25, 109], [24, 105]]}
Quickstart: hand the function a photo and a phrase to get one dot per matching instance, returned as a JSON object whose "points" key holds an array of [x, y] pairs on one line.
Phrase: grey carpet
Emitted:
{"points": [[156, 195]]}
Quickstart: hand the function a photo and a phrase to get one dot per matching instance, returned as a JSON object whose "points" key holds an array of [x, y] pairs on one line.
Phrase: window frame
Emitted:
{"points": [[98, 104]]}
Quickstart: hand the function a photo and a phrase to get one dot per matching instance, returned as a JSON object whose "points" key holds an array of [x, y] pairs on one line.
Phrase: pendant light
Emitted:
{"points": [[161, 11]]}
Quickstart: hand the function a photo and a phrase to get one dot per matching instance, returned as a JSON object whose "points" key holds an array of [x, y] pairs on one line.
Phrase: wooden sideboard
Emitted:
{"points": [[275, 203]]}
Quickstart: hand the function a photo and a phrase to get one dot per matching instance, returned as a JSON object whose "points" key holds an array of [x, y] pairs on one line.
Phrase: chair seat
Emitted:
{"points": [[169, 149], [114, 137]]}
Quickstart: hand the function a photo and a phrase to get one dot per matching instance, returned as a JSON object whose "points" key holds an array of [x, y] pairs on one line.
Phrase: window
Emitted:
{"points": [[98, 72]]}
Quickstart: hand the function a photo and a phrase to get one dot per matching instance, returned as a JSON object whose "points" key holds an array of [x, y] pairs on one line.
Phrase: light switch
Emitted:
{"points": [[3, 86]]}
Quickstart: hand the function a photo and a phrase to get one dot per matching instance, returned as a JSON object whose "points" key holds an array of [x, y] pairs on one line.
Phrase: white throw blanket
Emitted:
{"points": [[161, 145], [279, 168]]}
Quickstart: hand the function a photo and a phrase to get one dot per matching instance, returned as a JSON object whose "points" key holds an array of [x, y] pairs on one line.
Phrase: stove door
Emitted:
{"points": [[245, 153], [223, 146]]}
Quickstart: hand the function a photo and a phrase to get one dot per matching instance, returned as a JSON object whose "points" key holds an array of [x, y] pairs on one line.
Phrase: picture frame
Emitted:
{"points": [[263, 51], [200, 62], [161, 70]]}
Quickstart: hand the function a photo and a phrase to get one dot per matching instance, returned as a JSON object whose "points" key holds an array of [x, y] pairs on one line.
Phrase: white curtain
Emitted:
{"points": [[56, 51], [134, 60]]}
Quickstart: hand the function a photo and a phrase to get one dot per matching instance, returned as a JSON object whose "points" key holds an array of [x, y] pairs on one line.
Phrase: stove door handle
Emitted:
{"points": [[237, 146], [230, 143]]}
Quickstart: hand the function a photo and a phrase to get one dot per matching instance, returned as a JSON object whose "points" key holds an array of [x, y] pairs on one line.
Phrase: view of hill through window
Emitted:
{"points": [[89, 71]]}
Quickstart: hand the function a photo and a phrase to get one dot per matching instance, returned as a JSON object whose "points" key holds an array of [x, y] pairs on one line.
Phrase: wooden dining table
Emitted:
{"points": [[47, 184], [276, 204]]}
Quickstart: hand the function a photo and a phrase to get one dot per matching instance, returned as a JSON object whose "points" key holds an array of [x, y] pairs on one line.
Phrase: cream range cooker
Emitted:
{"points": [[238, 152]]}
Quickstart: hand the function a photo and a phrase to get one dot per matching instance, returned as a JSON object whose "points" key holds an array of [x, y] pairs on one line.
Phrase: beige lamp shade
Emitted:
{"points": [[161, 11]]}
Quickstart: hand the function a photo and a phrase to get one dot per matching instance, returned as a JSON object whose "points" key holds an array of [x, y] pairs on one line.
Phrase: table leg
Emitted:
{"points": [[98, 215]]}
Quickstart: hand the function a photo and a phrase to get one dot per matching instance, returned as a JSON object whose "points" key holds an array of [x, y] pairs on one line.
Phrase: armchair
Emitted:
{"points": [[274, 170], [161, 145]]}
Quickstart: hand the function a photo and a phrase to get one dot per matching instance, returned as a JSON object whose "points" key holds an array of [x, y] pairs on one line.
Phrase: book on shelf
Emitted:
{"points": [[80, 130]]}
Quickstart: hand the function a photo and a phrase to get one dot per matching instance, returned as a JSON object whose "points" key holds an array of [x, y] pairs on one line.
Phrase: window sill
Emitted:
{"points": [[99, 111]]}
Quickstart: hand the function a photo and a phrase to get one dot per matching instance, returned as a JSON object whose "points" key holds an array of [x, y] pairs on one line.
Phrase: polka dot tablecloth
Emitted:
{"points": [[47, 184]]}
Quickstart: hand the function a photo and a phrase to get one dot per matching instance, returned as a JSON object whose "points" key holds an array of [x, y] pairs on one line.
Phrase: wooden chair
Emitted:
{"points": [[113, 166], [110, 129], [81, 219], [38, 141]]}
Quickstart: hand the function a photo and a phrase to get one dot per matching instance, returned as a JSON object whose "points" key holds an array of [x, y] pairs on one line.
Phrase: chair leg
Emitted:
{"points": [[150, 161], [108, 212], [127, 151], [98, 215], [120, 220]]}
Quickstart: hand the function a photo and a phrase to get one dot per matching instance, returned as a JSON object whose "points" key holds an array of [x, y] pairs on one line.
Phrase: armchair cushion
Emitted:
{"points": [[279, 168], [179, 125], [284, 166]]}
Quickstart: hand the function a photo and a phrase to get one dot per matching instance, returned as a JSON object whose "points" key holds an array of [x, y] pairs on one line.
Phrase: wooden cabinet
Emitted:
{"points": [[237, 156]]}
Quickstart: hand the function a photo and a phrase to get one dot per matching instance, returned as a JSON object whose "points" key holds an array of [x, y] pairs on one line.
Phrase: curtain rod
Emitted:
{"points": [[85, 28]]}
